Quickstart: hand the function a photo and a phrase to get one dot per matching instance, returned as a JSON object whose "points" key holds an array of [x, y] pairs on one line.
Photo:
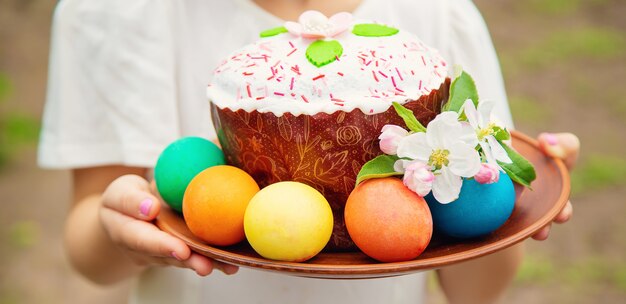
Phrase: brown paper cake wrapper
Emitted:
{"points": [[325, 151]]}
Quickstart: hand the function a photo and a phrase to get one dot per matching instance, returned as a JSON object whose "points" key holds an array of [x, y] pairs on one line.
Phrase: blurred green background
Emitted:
{"points": [[564, 63]]}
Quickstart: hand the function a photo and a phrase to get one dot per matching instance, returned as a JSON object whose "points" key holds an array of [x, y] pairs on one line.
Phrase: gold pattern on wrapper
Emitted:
{"points": [[325, 151]]}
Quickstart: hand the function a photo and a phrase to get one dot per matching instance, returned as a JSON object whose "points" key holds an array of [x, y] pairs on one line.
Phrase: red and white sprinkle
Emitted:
{"points": [[399, 75], [390, 66], [318, 77]]}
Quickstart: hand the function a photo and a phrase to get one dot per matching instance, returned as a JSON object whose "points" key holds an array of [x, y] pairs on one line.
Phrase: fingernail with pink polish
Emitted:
{"points": [[145, 206], [176, 256], [551, 139]]}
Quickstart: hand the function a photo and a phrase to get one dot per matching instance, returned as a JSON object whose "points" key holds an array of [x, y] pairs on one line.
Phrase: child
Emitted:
{"points": [[128, 77]]}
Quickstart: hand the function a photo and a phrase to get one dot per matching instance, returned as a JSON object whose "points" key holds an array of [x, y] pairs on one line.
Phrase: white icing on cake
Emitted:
{"points": [[274, 75]]}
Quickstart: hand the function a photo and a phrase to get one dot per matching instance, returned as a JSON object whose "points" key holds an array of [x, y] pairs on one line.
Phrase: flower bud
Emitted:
{"points": [[419, 178], [488, 174], [390, 138]]}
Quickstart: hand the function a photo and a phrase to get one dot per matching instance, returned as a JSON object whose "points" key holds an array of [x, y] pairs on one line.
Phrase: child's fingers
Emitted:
{"points": [[137, 204], [201, 264], [163, 261], [130, 195], [565, 214], [142, 237], [565, 146], [224, 267], [562, 217], [204, 266], [130, 199], [155, 191], [542, 234], [149, 239]]}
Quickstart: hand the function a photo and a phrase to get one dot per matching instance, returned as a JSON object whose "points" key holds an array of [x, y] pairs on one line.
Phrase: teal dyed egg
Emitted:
{"points": [[179, 163], [479, 210]]}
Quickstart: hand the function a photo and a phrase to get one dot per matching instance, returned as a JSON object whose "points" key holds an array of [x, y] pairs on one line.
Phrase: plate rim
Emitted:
{"points": [[377, 269]]}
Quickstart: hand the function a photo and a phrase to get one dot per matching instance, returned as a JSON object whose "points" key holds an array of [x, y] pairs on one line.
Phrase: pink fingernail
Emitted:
{"points": [[176, 256], [145, 206], [551, 139]]}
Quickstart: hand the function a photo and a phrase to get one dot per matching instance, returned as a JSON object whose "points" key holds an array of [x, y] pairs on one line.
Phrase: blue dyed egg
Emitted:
{"points": [[179, 163], [479, 210]]}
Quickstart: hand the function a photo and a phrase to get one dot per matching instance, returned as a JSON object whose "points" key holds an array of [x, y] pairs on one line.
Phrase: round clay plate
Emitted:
{"points": [[535, 209]]}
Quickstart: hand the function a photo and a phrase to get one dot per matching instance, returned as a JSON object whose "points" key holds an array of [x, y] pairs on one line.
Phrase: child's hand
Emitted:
{"points": [[565, 146], [126, 214]]}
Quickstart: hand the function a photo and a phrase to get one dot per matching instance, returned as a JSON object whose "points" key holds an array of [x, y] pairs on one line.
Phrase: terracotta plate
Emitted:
{"points": [[535, 209]]}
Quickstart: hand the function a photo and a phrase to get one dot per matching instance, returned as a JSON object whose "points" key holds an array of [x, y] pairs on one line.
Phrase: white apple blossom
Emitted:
{"points": [[449, 149], [483, 122], [390, 138]]}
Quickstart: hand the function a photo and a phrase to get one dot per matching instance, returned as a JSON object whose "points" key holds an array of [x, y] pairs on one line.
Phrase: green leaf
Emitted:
{"points": [[462, 116], [409, 118], [322, 52], [520, 170], [501, 133], [273, 32], [379, 167], [461, 89], [374, 30]]}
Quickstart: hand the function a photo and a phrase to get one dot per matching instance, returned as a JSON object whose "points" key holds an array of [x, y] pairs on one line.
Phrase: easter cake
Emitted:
{"points": [[308, 101]]}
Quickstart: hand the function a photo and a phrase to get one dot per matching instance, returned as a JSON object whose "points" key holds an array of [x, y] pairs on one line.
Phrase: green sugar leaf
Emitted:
{"points": [[520, 170], [379, 167], [461, 89], [273, 32], [409, 118], [374, 30], [322, 52]]}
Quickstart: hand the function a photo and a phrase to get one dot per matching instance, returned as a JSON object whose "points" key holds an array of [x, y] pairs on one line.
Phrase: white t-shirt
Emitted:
{"points": [[128, 77]]}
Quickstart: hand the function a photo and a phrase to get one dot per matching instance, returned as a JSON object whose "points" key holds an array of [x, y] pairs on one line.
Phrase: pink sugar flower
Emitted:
{"points": [[315, 25]]}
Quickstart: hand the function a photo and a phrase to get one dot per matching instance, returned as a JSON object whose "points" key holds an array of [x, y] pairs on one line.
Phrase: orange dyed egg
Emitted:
{"points": [[215, 202], [388, 221]]}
